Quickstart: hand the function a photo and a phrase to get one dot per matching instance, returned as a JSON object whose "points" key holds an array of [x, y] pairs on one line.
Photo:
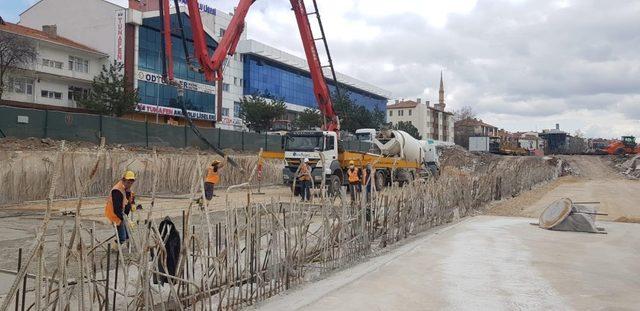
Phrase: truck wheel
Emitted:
{"points": [[380, 181], [334, 186], [619, 151]]}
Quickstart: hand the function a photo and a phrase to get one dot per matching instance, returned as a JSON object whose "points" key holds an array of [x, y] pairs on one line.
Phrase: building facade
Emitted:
{"points": [[132, 35], [432, 122], [472, 127], [61, 73]]}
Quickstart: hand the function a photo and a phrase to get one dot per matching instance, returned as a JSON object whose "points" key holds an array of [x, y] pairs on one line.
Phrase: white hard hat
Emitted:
{"points": [[306, 160]]}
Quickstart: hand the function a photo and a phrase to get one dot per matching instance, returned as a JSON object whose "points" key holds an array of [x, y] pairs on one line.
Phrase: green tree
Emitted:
{"points": [[409, 128], [258, 111], [110, 94], [353, 116], [308, 119]]}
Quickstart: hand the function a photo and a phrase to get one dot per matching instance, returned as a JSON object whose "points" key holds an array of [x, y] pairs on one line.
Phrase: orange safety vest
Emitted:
{"points": [[353, 175], [212, 176], [304, 172], [109, 211]]}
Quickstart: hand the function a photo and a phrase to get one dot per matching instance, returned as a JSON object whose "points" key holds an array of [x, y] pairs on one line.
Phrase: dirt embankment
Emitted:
{"points": [[594, 180]]}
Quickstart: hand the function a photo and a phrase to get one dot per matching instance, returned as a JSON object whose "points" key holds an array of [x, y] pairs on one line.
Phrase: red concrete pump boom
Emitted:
{"points": [[212, 67]]}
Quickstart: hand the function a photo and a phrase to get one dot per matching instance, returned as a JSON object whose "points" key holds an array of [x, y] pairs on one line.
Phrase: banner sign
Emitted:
{"points": [[187, 85], [120, 19], [203, 7], [232, 121], [174, 112]]}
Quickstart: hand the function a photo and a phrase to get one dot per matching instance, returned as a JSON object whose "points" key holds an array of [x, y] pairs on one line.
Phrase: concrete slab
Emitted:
{"points": [[488, 262]]}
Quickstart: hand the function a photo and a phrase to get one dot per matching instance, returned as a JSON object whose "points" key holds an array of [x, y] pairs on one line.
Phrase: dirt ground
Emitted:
{"points": [[596, 181]]}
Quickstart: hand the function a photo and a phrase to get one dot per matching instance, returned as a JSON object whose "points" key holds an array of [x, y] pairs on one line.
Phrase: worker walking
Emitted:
{"points": [[213, 178], [353, 173], [304, 177], [120, 202]]}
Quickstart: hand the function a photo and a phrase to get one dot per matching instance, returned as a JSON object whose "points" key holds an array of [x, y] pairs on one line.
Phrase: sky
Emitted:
{"points": [[519, 64]]}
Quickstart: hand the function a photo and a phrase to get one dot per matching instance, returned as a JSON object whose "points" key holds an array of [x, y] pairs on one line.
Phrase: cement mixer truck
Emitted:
{"points": [[395, 156]]}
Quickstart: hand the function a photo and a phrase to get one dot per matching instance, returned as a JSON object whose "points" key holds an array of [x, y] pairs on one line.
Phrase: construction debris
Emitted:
{"points": [[564, 215]]}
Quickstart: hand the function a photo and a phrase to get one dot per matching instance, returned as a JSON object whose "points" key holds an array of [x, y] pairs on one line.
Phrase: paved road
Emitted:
{"points": [[488, 263]]}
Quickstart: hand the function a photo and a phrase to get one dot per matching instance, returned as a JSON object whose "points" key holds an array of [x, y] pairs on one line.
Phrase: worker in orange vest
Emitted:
{"points": [[121, 200], [213, 177], [353, 175], [304, 177]]}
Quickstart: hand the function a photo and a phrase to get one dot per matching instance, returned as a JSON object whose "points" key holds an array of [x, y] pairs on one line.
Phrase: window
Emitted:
{"points": [[409, 112], [222, 30], [391, 113], [400, 113], [236, 109], [225, 112], [78, 64], [20, 85], [51, 94], [51, 63], [77, 93], [225, 87], [241, 82], [235, 81]]}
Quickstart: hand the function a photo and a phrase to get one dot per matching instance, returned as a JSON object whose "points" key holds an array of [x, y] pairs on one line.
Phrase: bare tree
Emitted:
{"points": [[16, 52], [465, 112]]}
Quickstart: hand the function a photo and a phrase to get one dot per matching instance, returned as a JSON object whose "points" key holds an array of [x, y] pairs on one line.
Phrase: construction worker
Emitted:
{"points": [[121, 201], [213, 177], [304, 177], [366, 181], [353, 174]]}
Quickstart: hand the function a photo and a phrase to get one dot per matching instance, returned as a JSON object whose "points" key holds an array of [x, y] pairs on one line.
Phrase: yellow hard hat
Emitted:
{"points": [[352, 163], [129, 175], [215, 162]]}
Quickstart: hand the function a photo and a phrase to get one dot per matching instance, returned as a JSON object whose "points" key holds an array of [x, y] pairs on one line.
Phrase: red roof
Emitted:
{"points": [[41, 35], [403, 104], [473, 122]]}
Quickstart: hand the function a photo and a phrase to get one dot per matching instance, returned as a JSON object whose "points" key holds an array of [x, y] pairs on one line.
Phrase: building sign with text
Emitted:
{"points": [[187, 85], [120, 20], [174, 112]]}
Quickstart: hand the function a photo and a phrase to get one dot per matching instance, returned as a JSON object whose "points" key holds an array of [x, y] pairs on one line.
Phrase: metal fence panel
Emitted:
{"points": [[125, 132], [230, 140], [161, 135], [209, 134], [275, 143], [253, 141], [73, 126], [10, 126]]}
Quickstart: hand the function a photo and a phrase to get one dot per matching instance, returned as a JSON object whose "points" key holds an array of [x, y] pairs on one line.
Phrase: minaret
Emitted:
{"points": [[441, 104]]}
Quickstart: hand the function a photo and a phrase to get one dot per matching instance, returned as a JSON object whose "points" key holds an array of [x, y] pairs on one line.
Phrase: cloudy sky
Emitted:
{"points": [[520, 64]]}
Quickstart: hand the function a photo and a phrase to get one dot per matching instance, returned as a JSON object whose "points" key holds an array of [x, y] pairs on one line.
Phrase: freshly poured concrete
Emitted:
{"points": [[488, 263]]}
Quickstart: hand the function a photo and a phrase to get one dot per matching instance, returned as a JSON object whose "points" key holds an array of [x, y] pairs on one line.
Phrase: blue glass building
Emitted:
{"points": [[264, 76], [149, 61]]}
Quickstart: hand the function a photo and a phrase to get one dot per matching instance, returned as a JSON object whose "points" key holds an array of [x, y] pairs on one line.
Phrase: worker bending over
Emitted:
{"points": [[121, 201], [353, 173], [304, 177], [213, 177]]}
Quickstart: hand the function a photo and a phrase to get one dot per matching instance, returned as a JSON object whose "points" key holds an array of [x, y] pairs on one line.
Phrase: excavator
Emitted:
{"points": [[626, 145], [213, 66]]}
